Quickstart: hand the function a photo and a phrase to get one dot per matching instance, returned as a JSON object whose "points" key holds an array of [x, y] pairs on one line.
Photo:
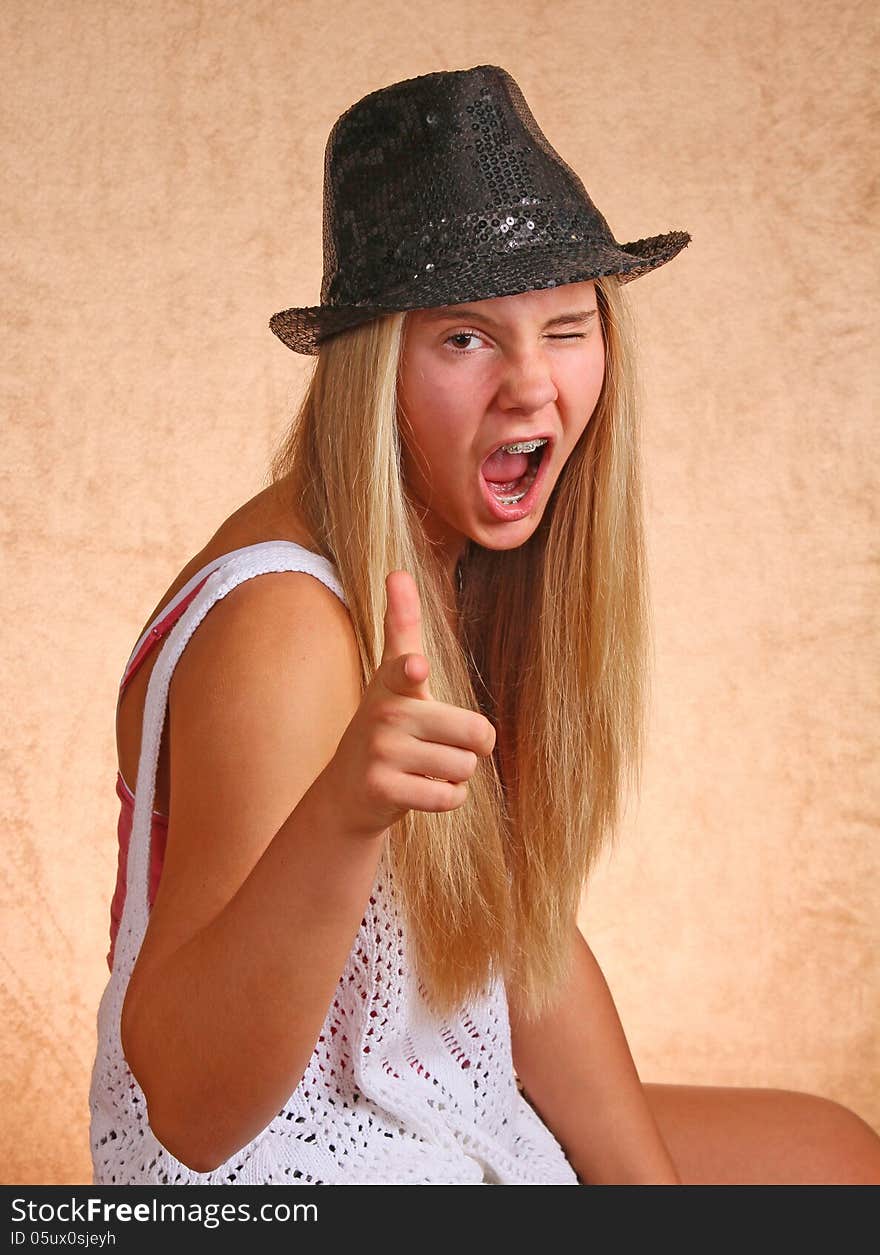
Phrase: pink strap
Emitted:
{"points": [[156, 632]]}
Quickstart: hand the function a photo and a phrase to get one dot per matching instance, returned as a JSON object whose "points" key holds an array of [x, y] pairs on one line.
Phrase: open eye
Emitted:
{"points": [[462, 335]]}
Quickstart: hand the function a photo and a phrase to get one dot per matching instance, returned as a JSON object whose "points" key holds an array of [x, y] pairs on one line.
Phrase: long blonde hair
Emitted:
{"points": [[552, 646]]}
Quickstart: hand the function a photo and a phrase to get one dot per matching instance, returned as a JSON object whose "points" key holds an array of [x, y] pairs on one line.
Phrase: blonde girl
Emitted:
{"points": [[360, 795]]}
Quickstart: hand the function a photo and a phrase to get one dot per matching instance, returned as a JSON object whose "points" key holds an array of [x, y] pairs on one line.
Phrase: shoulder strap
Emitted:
{"points": [[271, 556], [161, 625], [166, 618]]}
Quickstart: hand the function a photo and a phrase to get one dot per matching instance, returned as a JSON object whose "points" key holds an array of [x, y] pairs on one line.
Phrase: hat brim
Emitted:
{"points": [[304, 329]]}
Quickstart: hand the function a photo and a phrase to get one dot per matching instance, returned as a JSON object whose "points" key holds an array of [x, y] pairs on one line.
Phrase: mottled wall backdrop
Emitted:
{"points": [[162, 197]]}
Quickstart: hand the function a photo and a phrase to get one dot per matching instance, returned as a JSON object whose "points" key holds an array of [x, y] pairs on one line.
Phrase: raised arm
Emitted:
{"points": [[285, 778], [262, 889], [577, 1071]]}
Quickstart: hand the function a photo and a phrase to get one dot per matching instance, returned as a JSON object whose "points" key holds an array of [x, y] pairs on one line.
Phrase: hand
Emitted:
{"points": [[402, 750]]}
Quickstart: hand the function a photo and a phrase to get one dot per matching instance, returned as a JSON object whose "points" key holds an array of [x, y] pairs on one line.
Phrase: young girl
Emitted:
{"points": [[361, 796]]}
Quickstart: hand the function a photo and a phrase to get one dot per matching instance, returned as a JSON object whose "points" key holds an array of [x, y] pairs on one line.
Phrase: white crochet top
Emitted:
{"points": [[391, 1095]]}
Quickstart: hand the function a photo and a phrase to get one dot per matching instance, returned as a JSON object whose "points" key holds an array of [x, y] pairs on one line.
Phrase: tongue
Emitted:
{"points": [[505, 468]]}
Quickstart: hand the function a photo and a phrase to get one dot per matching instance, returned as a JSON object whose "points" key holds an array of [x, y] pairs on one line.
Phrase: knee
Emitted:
{"points": [[850, 1147]]}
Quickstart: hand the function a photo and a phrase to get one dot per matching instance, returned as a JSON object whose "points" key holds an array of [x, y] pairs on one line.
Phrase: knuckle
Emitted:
{"points": [[389, 712], [387, 751], [372, 781], [376, 783], [440, 796]]}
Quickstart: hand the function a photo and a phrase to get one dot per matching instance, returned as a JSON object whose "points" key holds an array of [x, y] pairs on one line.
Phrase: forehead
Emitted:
{"points": [[540, 303]]}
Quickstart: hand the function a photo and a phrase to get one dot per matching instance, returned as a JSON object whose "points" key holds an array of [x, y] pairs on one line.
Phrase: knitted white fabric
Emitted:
{"points": [[391, 1095]]}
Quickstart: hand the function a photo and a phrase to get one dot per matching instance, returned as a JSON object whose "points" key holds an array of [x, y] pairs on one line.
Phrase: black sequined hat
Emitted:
{"points": [[442, 189]]}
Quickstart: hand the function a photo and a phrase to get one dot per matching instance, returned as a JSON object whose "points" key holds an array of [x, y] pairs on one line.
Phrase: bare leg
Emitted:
{"points": [[740, 1136]]}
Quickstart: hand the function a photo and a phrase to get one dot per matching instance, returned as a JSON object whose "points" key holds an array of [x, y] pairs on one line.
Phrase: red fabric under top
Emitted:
{"points": [[159, 826]]}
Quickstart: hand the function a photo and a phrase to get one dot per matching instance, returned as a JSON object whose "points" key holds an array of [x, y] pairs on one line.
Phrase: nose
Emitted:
{"points": [[527, 381]]}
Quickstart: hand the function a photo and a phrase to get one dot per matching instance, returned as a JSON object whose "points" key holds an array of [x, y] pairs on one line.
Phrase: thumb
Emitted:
{"points": [[403, 647]]}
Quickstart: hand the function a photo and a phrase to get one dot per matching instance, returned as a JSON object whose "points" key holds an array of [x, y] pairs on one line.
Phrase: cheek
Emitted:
{"points": [[424, 432], [591, 386], [423, 393], [597, 364], [583, 384], [444, 394], [439, 406]]}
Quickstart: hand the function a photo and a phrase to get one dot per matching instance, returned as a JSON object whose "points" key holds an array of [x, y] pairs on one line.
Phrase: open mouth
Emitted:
{"points": [[511, 479]]}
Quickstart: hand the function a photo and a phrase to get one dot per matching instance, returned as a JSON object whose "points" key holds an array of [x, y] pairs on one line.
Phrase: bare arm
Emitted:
{"points": [[222, 1033], [262, 890], [577, 1070]]}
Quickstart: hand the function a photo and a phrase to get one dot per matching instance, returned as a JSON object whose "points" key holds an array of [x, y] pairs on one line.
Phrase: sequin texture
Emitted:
{"points": [[442, 189]]}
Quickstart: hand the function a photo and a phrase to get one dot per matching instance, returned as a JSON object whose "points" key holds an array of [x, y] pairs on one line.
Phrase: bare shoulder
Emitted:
{"points": [[287, 608], [258, 703], [277, 632]]}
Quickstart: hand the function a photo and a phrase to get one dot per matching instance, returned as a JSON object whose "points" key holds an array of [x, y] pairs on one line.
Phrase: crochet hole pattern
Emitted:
{"points": [[392, 1093]]}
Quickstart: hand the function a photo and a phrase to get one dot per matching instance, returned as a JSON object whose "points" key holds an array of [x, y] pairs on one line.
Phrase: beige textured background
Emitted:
{"points": [[163, 166]]}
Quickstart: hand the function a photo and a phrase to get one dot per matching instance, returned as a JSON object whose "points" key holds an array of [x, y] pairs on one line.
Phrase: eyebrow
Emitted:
{"points": [[456, 314]]}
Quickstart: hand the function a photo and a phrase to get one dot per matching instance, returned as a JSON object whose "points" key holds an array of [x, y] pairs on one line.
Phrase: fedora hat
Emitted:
{"points": [[442, 189]]}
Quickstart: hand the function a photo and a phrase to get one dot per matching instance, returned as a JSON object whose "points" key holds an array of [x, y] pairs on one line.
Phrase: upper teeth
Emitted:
{"points": [[525, 446]]}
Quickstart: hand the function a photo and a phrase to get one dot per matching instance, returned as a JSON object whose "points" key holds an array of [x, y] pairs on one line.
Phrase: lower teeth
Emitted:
{"points": [[531, 475]]}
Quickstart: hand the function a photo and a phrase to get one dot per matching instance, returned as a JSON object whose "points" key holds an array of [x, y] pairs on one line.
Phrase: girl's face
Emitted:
{"points": [[487, 373]]}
